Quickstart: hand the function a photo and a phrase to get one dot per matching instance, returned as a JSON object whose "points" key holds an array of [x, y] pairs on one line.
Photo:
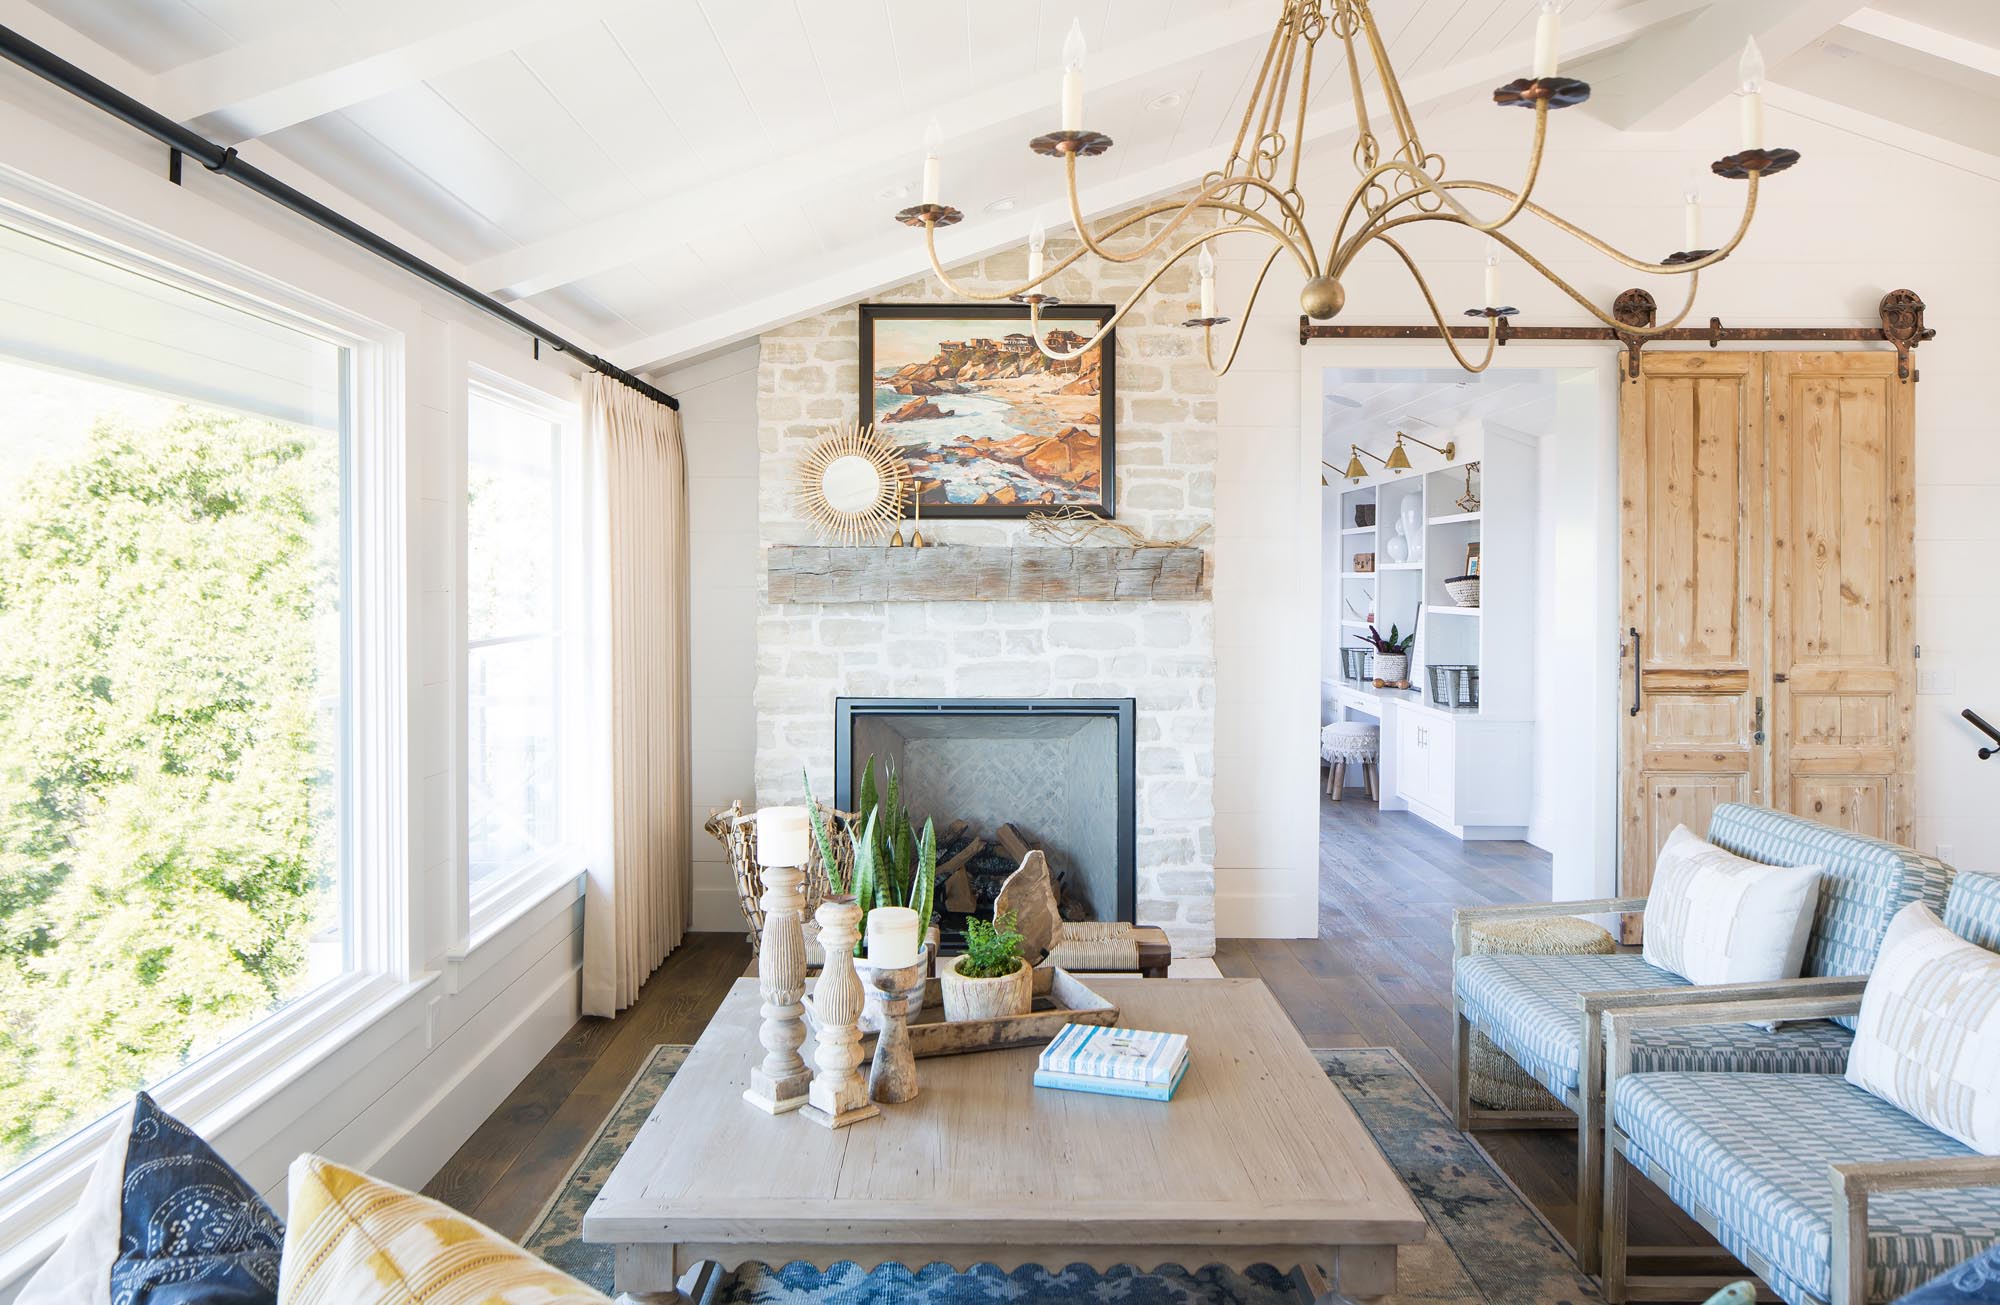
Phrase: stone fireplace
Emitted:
{"points": [[1156, 653], [1058, 772]]}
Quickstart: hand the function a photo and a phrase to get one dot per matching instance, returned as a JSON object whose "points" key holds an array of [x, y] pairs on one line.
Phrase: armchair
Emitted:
{"points": [[1785, 1169], [1546, 1011]]}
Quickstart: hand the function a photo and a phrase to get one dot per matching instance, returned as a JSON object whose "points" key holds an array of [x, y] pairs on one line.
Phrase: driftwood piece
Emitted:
{"points": [[958, 894], [1031, 895], [972, 574], [1011, 842], [961, 858]]}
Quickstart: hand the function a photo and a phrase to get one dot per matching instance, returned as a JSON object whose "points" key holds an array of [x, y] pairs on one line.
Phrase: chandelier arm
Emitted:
{"points": [[944, 278], [1209, 198], [1534, 171], [1117, 316], [1339, 254], [1257, 91], [1249, 307], [1392, 88], [1610, 251], [1299, 132], [1444, 331]]}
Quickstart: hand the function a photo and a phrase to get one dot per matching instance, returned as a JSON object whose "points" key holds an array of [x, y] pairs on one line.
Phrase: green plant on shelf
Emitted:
{"points": [[991, 950], [1393, 644]]}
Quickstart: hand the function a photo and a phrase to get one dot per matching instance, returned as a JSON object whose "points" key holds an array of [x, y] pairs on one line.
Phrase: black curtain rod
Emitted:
{"points": [[53, 68]]}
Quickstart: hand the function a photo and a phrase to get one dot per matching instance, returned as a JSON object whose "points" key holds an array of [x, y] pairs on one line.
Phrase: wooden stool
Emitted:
{"points": [[1351, 741], [1497, 1082]]}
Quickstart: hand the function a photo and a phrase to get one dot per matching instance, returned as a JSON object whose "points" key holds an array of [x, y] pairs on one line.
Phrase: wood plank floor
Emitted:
{"points": [[1378, 975]]}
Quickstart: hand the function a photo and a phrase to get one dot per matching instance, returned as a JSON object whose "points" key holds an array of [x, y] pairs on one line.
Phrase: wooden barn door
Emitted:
{"points": [[1691, 472], [1843, 483]]}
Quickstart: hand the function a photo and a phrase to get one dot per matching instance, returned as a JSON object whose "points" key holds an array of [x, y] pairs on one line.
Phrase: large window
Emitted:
{"points": [[172, 678], [521, 606]]}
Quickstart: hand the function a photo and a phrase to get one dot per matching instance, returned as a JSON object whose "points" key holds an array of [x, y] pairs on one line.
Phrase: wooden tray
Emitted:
{"points": [[1060, 998]]}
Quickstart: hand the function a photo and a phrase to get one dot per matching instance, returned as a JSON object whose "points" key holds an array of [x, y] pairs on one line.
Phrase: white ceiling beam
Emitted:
{"points": [[1925, 40], [903, 258], [1884, 131], [623, 238], [1687, 69], [301, 72]]}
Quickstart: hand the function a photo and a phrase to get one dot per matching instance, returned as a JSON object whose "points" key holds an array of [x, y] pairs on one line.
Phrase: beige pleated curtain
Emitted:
{"points": [[639, 892]]}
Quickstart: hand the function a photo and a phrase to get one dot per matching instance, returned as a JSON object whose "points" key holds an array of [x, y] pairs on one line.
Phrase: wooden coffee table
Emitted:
{"points": [[1257, 1160]]}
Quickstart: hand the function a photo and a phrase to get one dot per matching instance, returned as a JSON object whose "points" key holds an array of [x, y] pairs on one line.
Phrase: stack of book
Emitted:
{"points": [[1115, 1062]]}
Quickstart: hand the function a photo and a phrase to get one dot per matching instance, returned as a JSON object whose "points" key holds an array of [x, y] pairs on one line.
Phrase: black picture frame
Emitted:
{"points": [[1100, 502]]}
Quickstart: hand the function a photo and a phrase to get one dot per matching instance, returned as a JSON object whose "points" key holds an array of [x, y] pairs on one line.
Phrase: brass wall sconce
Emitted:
{"points": [[1398, 460]]}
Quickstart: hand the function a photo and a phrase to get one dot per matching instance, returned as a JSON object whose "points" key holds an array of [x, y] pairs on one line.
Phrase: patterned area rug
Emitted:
{"points": [[1485, 1243]]}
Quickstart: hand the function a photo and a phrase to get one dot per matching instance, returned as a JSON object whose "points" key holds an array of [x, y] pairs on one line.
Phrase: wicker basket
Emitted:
{"points": [[1454, 686], [1464, 590], [1353, 663], [736, 830]]}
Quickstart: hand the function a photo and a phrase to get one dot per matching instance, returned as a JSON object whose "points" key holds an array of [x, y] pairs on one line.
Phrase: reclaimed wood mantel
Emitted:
{"points": [[947, 573]]}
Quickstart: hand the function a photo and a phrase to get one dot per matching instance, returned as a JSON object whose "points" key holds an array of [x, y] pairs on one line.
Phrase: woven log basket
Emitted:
{"points": [[736, 830], [1497, 1082]]}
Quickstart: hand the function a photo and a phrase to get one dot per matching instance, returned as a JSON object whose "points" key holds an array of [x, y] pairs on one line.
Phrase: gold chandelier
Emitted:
{"points": [[1256, 191]]}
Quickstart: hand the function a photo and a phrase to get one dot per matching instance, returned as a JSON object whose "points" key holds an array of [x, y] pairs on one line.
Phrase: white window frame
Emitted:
{"points": [[382, 955], [491, 906]]}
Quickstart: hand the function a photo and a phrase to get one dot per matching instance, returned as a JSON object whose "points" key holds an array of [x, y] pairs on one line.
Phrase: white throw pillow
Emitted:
{"points": [[1929, 1036], [1714, 917]]}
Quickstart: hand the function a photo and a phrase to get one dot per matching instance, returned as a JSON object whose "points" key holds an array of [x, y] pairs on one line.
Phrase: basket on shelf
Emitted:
{"points": [[1464, 590], [1364, 514], [1354, 663], [1454, 686]]}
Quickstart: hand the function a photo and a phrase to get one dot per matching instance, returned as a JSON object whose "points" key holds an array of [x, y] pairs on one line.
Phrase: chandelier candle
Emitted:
{"points": [[1072, 81], [1493, 278], [1258, 190], [1752, 69], [1038, 239], [1548, 38], [1206, 266], [933, 180]]}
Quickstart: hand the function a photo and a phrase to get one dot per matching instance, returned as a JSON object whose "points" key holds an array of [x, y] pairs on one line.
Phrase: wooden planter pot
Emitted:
{"points": [[986, 999]]}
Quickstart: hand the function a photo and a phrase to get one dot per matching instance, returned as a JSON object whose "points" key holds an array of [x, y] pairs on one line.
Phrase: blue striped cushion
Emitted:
{"points": [[1867, 880], [1750, 1155], [1532, 1008], [1972, 911]]}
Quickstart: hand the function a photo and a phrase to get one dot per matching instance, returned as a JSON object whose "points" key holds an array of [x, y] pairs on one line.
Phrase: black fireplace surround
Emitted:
{"points": [[1061, 770]]}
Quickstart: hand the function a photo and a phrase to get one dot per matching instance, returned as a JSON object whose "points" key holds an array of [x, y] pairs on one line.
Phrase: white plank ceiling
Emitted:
{"points": [[665, 176]]}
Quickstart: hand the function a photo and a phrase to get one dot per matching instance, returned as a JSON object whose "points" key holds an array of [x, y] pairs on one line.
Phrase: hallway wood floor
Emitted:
{"points": [[1378, 975]]}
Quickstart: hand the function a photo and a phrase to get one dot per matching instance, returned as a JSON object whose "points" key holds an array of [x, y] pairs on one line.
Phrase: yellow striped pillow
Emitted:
{"points": [[350, 1240]]}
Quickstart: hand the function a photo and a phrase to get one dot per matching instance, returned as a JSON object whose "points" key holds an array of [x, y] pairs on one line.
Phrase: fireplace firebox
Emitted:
{"points": [[1054, 773]]}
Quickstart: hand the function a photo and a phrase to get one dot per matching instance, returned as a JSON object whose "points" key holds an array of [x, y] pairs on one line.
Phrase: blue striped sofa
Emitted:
{"points": [[1546, 1011], [1830, 1194]]}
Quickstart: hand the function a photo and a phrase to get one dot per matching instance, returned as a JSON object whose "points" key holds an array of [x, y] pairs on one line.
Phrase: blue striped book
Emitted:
{"points": [[1119, 1055], [1111, 1087]]}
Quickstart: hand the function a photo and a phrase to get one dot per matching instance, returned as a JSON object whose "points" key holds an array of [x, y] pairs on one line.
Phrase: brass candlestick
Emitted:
{"points": [[893, 1075], [917, 501], [839, 1094]]}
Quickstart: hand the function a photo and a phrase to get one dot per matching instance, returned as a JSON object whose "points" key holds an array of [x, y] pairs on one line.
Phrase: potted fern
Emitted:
{"points": [[992, 980]]}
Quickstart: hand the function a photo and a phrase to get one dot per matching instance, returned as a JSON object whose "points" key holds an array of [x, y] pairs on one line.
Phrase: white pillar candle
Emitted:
{"points": [[784, 836], [1038, 236], [1072, 81], [1752, 69], [1206, 266], [933, 171], [892, 937], [1548, 38], [1493, 278]]}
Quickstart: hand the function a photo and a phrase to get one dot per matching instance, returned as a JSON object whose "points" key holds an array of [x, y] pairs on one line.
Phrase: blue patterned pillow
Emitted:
{"points": [[164, 1221], [1975, 1282]]}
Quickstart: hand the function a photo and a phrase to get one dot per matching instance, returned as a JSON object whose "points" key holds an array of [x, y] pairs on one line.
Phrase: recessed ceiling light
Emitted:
{"points": [[898, 191], [1169, 100], [1004, 204]]}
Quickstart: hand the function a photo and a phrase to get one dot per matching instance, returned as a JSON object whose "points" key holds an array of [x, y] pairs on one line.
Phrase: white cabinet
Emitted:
{"points": [[1468, 775]]}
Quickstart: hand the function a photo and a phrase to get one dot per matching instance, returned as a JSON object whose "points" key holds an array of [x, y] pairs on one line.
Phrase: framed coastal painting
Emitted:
{"points": [[990, 425]]}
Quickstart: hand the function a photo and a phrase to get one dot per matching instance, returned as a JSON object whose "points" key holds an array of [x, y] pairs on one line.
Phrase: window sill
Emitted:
{"points": [[501, 904]]}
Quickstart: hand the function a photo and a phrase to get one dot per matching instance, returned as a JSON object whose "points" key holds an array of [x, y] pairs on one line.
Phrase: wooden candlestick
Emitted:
{"points": [[839, 1094], [781, 1082], [893, 1075]]}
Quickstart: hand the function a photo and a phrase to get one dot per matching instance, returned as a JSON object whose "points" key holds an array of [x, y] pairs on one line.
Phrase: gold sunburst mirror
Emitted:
{"points": [[852, 485]]}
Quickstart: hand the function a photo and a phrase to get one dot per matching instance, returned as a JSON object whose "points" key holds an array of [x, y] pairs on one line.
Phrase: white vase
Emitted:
{"points": [[1397, 550], [1412, 526]]}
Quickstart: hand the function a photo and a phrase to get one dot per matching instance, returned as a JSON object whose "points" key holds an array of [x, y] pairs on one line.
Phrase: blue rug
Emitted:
{"points": [[1485, 1246]]}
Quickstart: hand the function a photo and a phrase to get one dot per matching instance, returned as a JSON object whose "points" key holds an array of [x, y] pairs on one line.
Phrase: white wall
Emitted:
{"points": [[397, 1092], [719, 422]]}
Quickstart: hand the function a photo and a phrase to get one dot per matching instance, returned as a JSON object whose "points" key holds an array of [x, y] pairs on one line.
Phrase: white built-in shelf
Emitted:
{"points": [[1399, 566], [1357, 575], [1454, 518], [1359, 625], [1449, 609], [1358, 530]]}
